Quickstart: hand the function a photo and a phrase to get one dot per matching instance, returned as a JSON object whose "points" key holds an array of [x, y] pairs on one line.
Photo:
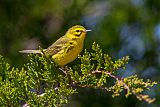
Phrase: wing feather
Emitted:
{"points": [[59, 45]]}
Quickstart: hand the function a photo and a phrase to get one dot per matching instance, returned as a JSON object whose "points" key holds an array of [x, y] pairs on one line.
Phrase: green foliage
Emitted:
{"points": [[4, 68], [98, 63], [41, 83], [133, 85], [37, 84], [13, 85]]}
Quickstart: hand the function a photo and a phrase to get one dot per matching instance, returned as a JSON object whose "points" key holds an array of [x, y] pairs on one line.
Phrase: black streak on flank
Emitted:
{"points": [[70, 48]]}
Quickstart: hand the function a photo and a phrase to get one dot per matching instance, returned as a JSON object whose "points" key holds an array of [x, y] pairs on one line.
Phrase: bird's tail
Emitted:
{"points": [[31, 51]]}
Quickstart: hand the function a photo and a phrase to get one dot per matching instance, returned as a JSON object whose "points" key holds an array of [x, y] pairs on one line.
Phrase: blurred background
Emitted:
{"points": [[121, 27]]}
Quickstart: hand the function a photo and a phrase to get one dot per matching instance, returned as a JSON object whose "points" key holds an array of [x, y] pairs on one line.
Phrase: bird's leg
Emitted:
{"points": [[64, 70]]}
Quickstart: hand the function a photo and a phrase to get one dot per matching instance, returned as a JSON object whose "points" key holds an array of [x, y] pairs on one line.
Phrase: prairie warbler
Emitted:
{"points": [[66, 48]]}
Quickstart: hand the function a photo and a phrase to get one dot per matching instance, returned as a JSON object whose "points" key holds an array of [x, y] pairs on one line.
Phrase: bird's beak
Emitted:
{"points": [[88, 30]]}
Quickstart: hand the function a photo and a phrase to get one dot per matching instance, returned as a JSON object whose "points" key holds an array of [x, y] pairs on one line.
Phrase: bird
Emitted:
{"points": [[67, 48]]}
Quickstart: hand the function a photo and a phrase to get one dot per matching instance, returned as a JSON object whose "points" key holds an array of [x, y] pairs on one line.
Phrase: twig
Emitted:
{"points": [[120, 79]]}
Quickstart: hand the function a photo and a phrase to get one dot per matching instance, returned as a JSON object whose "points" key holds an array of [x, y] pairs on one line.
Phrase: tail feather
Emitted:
{"points": [[31, 51]]}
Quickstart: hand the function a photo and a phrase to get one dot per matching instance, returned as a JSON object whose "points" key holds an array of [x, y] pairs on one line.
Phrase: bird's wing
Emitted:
{"points": [[59, 45]]}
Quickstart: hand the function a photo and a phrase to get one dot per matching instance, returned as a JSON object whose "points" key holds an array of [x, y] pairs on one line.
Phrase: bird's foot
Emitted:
{"points": [[64, 70]]}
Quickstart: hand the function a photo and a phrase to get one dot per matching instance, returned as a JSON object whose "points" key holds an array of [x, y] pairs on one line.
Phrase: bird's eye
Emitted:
{"points": [[77, 30]]}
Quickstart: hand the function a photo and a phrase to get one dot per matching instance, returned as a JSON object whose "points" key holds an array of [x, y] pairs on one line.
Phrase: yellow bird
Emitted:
{"points": [[67, 48]]}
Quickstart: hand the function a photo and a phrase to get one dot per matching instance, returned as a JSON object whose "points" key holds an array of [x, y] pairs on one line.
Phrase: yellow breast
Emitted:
{"points": [[68, 55]]}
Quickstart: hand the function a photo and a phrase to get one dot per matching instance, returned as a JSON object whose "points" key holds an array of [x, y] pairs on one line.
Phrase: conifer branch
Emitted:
{"points": [[41, 82]]}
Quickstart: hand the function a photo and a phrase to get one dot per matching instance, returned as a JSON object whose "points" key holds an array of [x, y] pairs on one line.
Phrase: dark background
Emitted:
{"points": [[121, 27]]}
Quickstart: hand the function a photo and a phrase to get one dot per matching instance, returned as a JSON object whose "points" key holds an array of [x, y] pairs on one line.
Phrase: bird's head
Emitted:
{"points": [[77, 32]]}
